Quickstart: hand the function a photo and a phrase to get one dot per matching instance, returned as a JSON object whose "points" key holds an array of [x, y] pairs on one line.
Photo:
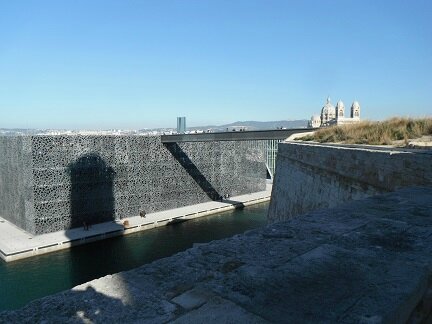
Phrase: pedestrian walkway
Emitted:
{"points": [[16, 243]]}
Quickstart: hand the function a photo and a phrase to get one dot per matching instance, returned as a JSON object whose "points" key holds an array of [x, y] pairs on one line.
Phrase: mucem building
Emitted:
{"points": [[57, 182]]}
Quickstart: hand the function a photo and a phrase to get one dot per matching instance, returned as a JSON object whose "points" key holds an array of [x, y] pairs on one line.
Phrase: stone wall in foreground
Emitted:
{"points": [[311, 176], [51, 183], [366, 261]]}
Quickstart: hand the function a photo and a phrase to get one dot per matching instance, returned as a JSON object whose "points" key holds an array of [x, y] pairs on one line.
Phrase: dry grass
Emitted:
{"points": [[374, 133]]}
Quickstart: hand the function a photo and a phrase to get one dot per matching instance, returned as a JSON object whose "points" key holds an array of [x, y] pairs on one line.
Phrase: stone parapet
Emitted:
{"points": [[366, 261], [311, 176]]}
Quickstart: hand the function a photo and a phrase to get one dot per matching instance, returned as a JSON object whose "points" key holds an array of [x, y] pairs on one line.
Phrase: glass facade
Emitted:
{"points": [[269, 149], [181, 125]]}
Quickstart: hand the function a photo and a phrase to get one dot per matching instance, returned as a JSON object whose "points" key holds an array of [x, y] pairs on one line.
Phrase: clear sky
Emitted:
{"points": [[135, 64]]}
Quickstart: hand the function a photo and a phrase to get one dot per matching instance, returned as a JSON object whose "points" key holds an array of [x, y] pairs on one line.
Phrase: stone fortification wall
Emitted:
{"points": [[68, 180], [366, 261], [311, 176]]}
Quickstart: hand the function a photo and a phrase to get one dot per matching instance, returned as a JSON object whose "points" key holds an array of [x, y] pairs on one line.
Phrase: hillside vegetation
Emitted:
{"points": [[375, 133]]}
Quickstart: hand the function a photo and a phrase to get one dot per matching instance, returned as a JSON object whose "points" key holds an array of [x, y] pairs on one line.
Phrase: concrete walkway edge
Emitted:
{"points": [[16, 243]]}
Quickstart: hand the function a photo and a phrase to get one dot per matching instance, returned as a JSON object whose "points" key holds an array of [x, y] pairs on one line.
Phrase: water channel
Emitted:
{"points": [[24, 280]]}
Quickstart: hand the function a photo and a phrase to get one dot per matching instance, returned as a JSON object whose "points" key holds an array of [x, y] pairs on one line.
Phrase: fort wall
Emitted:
{"points": [[365, 261], [51, 183], [311, 176]]}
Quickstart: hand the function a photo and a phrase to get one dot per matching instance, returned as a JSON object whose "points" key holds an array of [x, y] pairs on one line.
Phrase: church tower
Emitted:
{"points": [[340, 109], [355, 110]]}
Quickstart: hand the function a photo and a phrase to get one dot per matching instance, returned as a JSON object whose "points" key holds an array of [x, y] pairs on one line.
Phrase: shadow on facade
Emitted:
{"points": [[92, 192], [193, 171], [184, 160]]}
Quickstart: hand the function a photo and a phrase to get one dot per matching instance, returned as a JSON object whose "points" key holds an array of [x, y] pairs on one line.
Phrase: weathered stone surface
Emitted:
{"points": [[367, 261], [191, 299], [219, 310], [310, 176]]}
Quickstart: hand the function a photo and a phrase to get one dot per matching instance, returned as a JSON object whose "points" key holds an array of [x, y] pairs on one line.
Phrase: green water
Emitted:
{"points": [[25, 280]]}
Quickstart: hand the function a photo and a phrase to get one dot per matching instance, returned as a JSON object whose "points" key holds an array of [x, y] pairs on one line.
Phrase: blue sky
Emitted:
{"points": [[136, 64]]}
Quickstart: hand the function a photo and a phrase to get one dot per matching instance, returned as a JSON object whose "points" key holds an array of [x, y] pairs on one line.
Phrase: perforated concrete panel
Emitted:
{"points": [[51, 183]]}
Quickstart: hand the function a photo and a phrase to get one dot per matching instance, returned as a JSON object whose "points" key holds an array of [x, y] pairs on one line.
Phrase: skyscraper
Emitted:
{"points": [[181, 125]]}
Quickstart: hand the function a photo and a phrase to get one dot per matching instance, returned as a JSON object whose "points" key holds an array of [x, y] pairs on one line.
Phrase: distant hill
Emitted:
{"points": [[270, 124], [259, 125], [250, 125]]}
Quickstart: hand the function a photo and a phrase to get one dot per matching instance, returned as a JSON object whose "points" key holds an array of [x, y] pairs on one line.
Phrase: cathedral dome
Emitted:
{"points": [[335, 115], [316, 118], [314, 122], [328, 109]]}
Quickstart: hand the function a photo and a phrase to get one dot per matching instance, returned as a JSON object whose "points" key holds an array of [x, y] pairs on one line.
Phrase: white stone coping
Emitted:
{"points": [[360, 147]]}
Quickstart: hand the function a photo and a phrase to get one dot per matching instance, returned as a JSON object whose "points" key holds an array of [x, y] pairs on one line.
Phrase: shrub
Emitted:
{"points": [[374, 133]]}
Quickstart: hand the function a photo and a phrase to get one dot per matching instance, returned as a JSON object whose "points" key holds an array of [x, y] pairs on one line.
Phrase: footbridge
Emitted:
{"points": [[259, 135], [267, 140]]}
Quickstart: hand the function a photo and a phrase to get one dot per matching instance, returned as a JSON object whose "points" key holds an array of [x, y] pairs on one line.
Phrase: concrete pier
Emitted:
{"points": [[16, 243]]}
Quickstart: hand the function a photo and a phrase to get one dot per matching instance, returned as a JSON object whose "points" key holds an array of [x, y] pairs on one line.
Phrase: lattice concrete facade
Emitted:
{"points": [[51, 183]]}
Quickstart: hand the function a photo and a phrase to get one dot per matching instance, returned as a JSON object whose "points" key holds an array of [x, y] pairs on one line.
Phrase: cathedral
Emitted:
{"points": [[331, 115]]}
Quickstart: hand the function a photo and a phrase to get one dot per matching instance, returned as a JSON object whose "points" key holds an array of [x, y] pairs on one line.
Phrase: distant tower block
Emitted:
{"points": [[181, 125]]}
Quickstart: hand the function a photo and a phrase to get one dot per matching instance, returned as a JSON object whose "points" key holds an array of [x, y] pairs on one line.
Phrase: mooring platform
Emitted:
{"points": [[16, 243]]}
